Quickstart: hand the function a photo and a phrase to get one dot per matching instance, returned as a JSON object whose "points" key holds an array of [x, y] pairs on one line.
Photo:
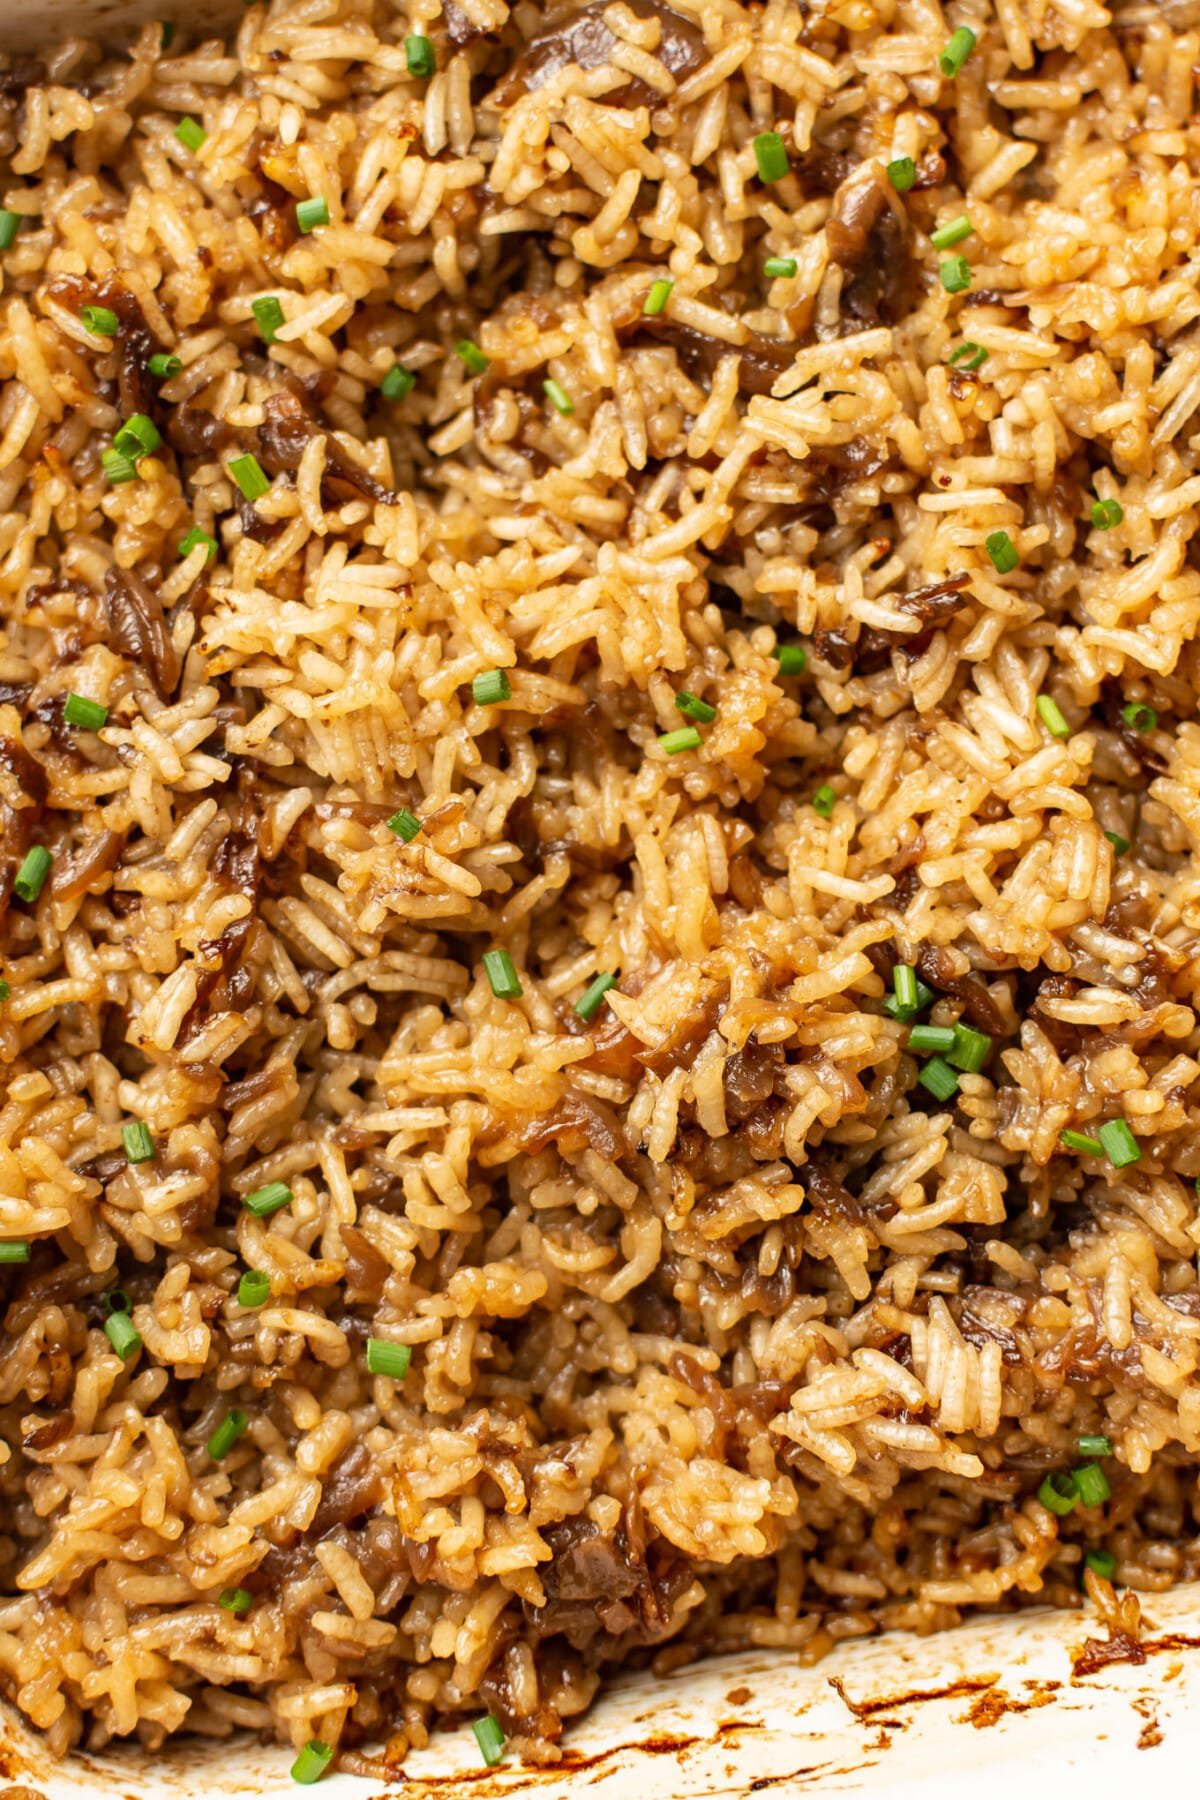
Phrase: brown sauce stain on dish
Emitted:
{"points": [[989, 1708], [889, 1703]]}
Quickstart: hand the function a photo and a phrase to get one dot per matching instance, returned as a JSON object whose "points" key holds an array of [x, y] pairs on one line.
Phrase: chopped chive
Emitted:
{"points": [[254, 1288], [969, 356], [1092, 1484], [1095, 1445], [780, 268], [419, 56], [138, 1141], [16, 1250], [930, 1040], [490, 688], [1120, 844], [269, 313], [227, 1433], [473, 356], [1142, 718], [938, 1078], [1059, 1494], [168, 33], [1120, 1145], [101, 321], [5, 991], [1002, 551], [657, 298], [946, 236], [9, 225], [770, 153], [490, 1739], [312, 1762], [89, 715], [138, 436], [694, 708], [191, 134], [904, 983], [970, 1051], [792, 658], [824, 801], [248, 473], [267, 1200], [386, 1358], [957, 50], [1106, 514], [902, 172], [1051, 715], [164, 365], [30, 878], [117, 1300], [1081, 1141], [501, 974], [235, 1600], [312, 212], [589, 1002], [686, 738], [904, 1013], [123, 1335], [405, 824], [1103, 1562], [558, 396], [117, 467], [397, 383], [955, 274], [194, 539]]}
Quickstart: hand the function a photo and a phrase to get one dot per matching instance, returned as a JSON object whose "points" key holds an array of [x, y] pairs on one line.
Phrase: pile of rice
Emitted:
{"points": [[726, 1330]]}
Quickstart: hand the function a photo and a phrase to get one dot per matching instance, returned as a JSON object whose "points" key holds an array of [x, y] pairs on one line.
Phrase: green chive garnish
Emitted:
{"points": [[164, 365], [16, 1250], [1097, 1445], [89, 715], [1002, 551], [970, 1049], [1120, 844], [902, 173], [1120, 1145], [558, 396], [312, 212], [1082, 1142], [955, 274], [1092, 1485], [657, 298], [419, 56], [502, 975], [780, 268], [235, 1600], [1103, 1562], [686, 738], [168, 33], [191, 134], [117, 467], [824, 800], [30, 878], [397, 383], [792, 658], [1106, 514], [406, 825], [267, 1200], [946, 236], [227, 1433], [247, 472], [312, 1762], [960, 46], [194, 538], [138, 1141], [100, 321], [1142, 718], [1059, 1494], [490, 688], [968, 356], [931, 1040], [386, 1358], [9, 225], [138, 436], [470, 353], [490, 1739], [117, 1300], [254, 1288], [771, 155], [269, 313], [589, 1002], [904, 984], [1051, 715], [939, 1078], [123, 1335], [5, 991], [694, 708]]}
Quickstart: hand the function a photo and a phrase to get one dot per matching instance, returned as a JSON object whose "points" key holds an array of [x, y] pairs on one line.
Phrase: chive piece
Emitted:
{"points": [[686, 738], [969, 356], [1103, 1562], [247, 472], [1142, 718], [490, 1739], [902, 172], [1106, 514], [971, 1049], [9, 225], [164, 365], [227, 1433], [16, 1250], [946, 236], [236, 1601], [657, 298], [138, 436], [168, 33], [267, 1200], [117, 467], [1120, 844], [938, 1078], [138, 1141], [312, 1762], [490, 688], [89, 715], [473, 356], [405, 824], [1081, 1141], [419, 56], [1092, 1483], [386, 1358], [1002, 551], [30, 878], [770, 153], [694, 708], [1051, 715], [792, 658], [269, 313], [194, 538], [191, 134], [904, 982], [101, 321], [254, 1288], [123, 1335], [397, 383], [1095, 1445], [824, 801], [893, 1006], [558, 396], [930, 1040], [589, 1002], [502, 977], [312, 212], [1120, 1145], [5, 990], [117, 1300], [955, 274], [780, 268], [957, 50], [1059, 1494]]}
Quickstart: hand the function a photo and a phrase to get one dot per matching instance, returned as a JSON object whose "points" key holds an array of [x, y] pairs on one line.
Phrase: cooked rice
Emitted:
{"points": [[724, 1330]]}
